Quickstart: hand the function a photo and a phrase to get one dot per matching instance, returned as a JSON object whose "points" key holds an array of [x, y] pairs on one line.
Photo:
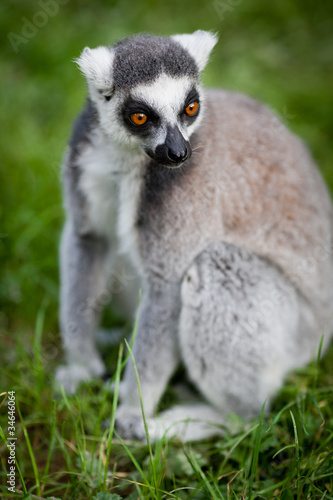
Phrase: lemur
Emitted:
{"points": [[225, 219]]}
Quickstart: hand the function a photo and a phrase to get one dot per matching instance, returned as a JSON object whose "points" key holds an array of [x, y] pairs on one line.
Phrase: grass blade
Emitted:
{"points": [[144, 418], [31, 453], [256, 452], [113, 415], [296, 453], [200, 474], [52, 441]]}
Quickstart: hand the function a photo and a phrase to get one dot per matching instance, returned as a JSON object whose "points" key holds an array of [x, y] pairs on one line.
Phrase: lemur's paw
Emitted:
{"points": [[129, 423], [70, 376]]}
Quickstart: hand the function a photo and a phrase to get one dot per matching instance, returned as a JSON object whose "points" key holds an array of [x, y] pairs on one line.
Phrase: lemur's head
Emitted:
{"points": [[147, 91]]}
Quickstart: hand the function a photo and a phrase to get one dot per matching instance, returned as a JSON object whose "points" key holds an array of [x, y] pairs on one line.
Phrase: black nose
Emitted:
{"points": [[178, 156], [175, 150]]}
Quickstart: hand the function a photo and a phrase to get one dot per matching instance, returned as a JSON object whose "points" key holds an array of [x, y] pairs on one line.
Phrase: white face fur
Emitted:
{"points": [[168, 97], [164, 105]]}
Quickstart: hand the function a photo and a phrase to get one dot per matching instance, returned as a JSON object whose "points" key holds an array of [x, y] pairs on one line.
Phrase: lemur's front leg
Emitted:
{"points": [[156, 354], [84, 278]]}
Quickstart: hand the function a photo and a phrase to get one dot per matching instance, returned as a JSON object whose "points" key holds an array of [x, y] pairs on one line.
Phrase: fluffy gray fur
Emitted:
{"points": [[134, 64], [232, 247]]}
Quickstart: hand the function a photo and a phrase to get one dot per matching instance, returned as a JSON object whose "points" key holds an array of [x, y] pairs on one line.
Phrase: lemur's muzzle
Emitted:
{"points": [[174, 151]]}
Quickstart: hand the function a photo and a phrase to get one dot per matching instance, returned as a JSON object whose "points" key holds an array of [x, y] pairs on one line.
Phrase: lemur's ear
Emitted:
{"points": [[199, 44], [96, 65]]}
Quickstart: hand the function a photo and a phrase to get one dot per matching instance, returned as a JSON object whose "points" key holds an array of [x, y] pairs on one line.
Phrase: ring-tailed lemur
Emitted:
{"points": [[224, 217]]}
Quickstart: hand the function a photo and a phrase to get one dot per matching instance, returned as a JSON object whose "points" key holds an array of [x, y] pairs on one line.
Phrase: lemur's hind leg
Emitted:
{"points": [[238, 331], [239, 328]]}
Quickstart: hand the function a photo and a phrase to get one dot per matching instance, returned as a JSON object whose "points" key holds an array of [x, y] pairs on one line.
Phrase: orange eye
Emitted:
{"points": [[192, 108], [139, 118]]}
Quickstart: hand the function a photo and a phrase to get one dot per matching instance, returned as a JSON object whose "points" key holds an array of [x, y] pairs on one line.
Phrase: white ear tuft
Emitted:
{"points": [[199, 44], [96, 65]]}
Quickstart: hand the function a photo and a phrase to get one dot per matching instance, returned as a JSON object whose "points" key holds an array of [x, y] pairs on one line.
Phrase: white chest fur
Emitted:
{"points": [[98, 184], [111, 181], [130, 186]]}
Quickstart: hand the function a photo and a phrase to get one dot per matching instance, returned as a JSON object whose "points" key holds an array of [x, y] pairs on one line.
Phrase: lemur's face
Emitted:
{"points": [[147, 92], [162, 116]]}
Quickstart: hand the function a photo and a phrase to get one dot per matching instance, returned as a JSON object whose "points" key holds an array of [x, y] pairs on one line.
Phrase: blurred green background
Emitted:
{"points": [[279, 52]]}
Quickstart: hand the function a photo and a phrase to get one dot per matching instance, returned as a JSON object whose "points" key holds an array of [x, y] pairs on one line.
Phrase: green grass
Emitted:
{"points": [[279, 52], [61, 451]]}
